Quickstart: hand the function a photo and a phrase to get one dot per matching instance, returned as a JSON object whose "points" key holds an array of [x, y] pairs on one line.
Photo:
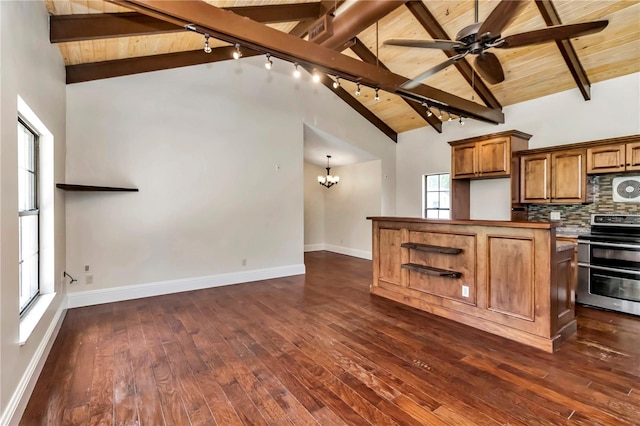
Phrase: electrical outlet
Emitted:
{"points": [[86, 268], [88, 279], [465, 291], [555, 215]]}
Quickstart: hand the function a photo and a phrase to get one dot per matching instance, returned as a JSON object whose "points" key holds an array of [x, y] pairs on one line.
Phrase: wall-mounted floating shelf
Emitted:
{"points": [[70, 187], [430, 270]]}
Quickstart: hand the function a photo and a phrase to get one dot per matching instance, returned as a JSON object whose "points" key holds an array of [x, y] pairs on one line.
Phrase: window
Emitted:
{"points": [[436, 196], [28, 215]]}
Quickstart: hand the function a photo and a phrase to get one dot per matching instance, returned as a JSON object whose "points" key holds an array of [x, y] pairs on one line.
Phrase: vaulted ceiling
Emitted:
{"points": [[103, 39]]}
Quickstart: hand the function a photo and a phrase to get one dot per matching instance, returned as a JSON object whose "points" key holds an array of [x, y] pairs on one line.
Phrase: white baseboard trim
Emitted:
{"points": [[137, 291], [18, 402], [314, 247], [362, 254]]}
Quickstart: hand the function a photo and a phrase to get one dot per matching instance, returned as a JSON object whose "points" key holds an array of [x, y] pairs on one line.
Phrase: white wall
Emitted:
{"points": [[348, 205], [217, 153], [562, 118], [314, 206], [30, 67]]}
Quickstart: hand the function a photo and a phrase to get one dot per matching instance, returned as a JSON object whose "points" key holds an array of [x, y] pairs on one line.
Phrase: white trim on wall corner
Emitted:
{"points": [[117, 294], [18, 402], [314, 247], [362, 254]]}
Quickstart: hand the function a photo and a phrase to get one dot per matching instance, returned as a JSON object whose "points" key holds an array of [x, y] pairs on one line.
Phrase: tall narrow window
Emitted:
{"points": [[436, 196], [28, 215]]}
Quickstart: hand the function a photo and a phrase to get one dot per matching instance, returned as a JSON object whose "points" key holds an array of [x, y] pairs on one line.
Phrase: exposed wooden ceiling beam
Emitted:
{"points": [[326, 7], [551, 17], [119, 67], [360, 16], [229, 27], [367, 56], [435, 30], [92, 26], [361, 109]]}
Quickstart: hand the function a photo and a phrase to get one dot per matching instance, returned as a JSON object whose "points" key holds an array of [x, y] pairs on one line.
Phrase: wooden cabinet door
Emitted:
{"points": [[607, 159], [633, 156], [494, 157], [463, 161], [535, 175], [568, 176]]}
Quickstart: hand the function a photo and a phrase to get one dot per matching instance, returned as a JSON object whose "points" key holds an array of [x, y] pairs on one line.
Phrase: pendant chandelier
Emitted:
{"points": [[328, 180]]}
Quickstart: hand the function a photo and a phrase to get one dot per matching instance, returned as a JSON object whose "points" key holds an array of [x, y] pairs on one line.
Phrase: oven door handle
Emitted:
{"points": [[604, 268], [631, 246]]}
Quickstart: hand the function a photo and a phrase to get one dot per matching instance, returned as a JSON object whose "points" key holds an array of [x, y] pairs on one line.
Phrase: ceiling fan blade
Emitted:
{"points": [[429, 44], [416, 81], [489, 67], [504, 14], [558, 32]]}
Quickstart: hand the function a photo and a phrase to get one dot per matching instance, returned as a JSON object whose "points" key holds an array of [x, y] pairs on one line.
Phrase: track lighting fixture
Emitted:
{"points": [[296, 71], [237, 54], [377, 97], [461, 122], [207, 48], [440, 114], [426, 105], [336, 83], [269, 63], [316, 76], [357, 89], [450, 117]]}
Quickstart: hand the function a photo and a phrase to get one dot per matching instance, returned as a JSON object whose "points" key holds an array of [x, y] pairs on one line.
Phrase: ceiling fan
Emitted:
{"points": [[481, 36]]}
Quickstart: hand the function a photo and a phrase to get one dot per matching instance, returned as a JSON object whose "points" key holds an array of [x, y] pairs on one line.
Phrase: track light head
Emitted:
{"points": [[316, 76], [207, 48], [440, 114], [461, 122], [377, 97], [268, 64], [357, 89], [450, 117], [336, 83], [296, 71], [237, 54]]}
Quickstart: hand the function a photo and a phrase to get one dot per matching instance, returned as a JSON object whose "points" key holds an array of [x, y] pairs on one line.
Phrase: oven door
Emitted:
{"points": [[615, 255], [609, 288]]}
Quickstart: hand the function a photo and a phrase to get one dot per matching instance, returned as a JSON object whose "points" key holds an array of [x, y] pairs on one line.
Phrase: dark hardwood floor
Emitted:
{"points": [[318, 349]]}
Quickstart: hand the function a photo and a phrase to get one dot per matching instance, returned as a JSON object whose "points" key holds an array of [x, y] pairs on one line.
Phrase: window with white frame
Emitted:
{"points": [[435, 199], [28, 215]]}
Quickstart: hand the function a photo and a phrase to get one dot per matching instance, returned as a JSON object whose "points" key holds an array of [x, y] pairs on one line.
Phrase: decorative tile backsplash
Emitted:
{"points": [[579, 215]]}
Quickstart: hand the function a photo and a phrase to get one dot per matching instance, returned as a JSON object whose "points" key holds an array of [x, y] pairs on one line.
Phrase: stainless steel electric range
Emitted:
{"points": [[609, 263]]}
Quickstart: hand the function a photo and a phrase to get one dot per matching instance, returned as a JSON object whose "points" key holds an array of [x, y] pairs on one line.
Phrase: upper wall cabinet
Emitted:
{"points": [[486, 156], [613, 158], [554, 177]]}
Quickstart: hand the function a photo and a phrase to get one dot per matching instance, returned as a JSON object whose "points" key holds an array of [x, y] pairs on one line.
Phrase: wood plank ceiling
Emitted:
{"points": [[78, 27]]}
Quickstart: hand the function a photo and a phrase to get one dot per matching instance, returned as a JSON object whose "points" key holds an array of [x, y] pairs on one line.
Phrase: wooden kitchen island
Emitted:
{"points": [[507, 278]]}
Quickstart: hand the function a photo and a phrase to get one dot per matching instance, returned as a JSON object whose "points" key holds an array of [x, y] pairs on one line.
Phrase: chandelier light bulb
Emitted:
{"points": [[207, 48], [357, 89], [237, 54], [268, 64], [296, 71]]}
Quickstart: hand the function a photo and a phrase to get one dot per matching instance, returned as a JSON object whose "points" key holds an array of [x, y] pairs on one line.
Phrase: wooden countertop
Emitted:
{"points": [[505, 223]]}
